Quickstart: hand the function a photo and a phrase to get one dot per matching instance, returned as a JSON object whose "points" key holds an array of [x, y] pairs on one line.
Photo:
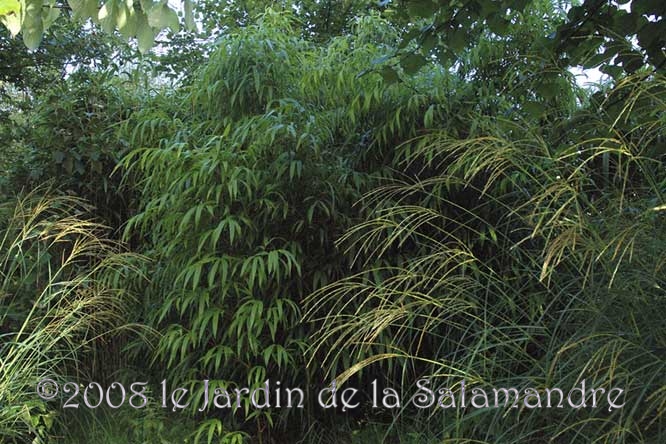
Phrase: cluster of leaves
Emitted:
{"points": [[621, 36], [618, 36], [65, 45], [143, 20], [318, 20], [25, 76], [71, 138], [247, 178]]}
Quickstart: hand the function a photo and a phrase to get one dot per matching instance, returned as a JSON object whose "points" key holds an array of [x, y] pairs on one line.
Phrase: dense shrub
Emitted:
{"points": [[249, 175], [246, 182], [70, 137]]}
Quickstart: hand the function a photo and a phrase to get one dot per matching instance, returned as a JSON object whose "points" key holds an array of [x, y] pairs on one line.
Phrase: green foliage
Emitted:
{"points": [[603, 33], [246, 181], [595, 33], [248, 175], [65, 45], [55, 302], [71, 137], [26, 75], [528, 262], [143, 20], [149, 425], [455, 207], [317, 20]]}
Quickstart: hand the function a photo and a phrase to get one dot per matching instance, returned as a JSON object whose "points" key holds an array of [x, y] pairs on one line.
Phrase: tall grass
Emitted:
{"points": [[539, 263], [58, 276]]}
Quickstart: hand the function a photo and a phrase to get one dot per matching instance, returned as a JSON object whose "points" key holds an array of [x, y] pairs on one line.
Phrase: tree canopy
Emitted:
{"points": [[620, 35]]}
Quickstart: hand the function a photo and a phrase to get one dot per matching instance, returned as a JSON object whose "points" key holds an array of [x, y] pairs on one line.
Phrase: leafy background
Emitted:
{"points": [[316, 190]]}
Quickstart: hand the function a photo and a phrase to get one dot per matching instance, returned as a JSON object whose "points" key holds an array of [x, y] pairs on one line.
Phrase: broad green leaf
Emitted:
{"points": [[49, 15], [611, 70], [189, 16], [161, 16], [106, 16], [389, 75], [145, 34], [412, 63], [631, 61], [146, 5], [422, 8], [626, 23], [408, 37], [12, 22], [518, 5], [547, 89], [9, 7], [84, 9], [444, 56], [77, 6], [651, 33], [489, 8], [122, 14], [499, 25], [90, 9], [457, 40], [32, 27], [127, 21], [576, 13], [429, 41]]}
